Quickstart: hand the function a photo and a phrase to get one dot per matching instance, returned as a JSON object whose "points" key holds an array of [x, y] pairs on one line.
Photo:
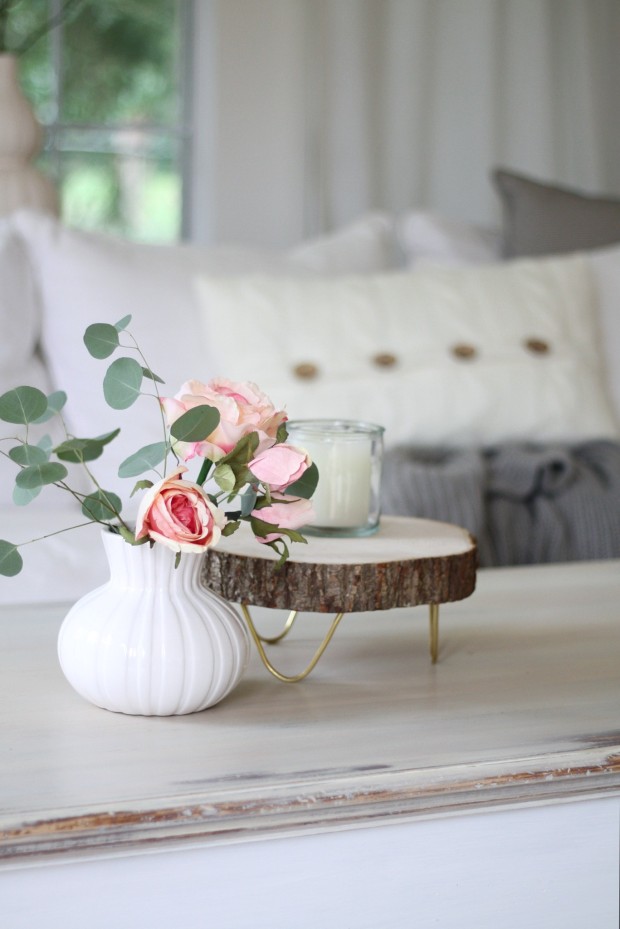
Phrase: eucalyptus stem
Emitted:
{"points": [[157, 394], [48, 535]]}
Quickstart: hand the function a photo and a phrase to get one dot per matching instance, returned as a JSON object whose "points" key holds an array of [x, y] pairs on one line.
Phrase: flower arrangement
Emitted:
{"points": [[232, 429]]}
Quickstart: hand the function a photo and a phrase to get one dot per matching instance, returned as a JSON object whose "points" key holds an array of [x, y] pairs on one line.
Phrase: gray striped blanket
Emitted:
{"points": [[524, 503]]}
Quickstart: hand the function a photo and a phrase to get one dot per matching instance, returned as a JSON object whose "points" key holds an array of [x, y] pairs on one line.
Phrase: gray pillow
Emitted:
{"points": [[544, 219]]}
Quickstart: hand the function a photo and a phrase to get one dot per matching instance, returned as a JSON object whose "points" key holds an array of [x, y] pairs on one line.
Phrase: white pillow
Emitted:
{"points": [[431, 239], [605, 266], [263, 329], [86, 278]]}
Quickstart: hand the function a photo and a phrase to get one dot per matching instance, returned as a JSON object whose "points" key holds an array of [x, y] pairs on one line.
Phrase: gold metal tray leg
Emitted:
{"points": [[258, 641], [434, 630]]}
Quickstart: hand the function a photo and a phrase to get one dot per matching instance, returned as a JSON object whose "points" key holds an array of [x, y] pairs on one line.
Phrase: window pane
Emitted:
{"points": [[120, 63], [129, 193], [113, 110]]}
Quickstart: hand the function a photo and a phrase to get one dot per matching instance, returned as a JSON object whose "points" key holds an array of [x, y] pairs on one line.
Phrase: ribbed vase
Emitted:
{"points": [[153, 641]]}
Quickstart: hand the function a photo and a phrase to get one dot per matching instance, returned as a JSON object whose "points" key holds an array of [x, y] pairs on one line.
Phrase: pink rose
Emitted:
{"points": [[179, 514], [280, 465], [243, 409], [292, 514]]}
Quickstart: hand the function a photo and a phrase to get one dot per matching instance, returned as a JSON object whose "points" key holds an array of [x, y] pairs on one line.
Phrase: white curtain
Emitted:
{"points": [[411, 103]]}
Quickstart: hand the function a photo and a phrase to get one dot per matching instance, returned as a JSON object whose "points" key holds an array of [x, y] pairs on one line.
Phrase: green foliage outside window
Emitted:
{"points": [[113, 112]]}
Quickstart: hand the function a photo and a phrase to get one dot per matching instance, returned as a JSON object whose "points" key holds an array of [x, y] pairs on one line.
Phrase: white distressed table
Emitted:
{"points": [[483, 791]]}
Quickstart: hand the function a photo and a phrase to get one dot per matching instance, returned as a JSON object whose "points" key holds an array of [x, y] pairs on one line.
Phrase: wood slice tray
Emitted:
{"points": [[407, 562]]}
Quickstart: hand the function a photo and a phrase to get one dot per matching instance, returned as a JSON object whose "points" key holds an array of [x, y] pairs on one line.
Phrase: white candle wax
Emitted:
{"points": [[342, 498]]}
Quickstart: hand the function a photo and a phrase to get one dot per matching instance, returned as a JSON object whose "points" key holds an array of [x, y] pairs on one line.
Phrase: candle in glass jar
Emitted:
{"points": [[348, 456]]}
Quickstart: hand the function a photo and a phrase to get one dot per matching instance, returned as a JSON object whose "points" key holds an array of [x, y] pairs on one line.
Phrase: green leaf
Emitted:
{"points": [[11, 562], [231, 527], [81, 450], [122, 323], [282, 433], [101, 340], [143, 460], [128, 535], [22, 497], [248, 501], [25, 455], [101, 506], [243, 452], [154, 377], [262, 528], [141, 485], [55, 403], [196, 424], [224, 477], [22, 405], [122, 382], [177, 559], [306, 485], [45, 443], [41, 474], [280, 548]]}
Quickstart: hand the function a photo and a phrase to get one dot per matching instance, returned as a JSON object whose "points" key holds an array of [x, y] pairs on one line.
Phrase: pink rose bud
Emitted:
{"points": [[293, 514], [280, 465], [179, 514]]}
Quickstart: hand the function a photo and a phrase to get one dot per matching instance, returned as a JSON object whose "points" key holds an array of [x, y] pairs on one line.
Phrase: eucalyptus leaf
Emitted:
{"points": [[81, 450], [11, 562], [196, 424], [25, 455], [101, 340], [154, 377], [122, 382], [55, 403], [122, 323], [306, 485], [41, 474], [101, 506], [22, 405], [143, 460], [45, 443], [22, 497]]}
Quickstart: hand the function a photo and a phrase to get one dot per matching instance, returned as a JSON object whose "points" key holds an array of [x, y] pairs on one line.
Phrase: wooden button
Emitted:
{"points": [[305, 370], [537, 346], [385, 360], [464, 351]]}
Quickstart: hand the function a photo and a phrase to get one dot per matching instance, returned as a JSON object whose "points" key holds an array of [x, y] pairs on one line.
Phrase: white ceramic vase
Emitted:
{"points": [[21, 184], [153, 641]]}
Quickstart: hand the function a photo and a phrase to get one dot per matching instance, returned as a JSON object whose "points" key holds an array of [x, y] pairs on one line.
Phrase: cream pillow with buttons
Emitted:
{"points": [[439, 356]]}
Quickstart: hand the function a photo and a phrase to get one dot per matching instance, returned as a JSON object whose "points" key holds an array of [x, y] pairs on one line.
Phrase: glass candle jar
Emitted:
{"points": [[349, 456]]}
